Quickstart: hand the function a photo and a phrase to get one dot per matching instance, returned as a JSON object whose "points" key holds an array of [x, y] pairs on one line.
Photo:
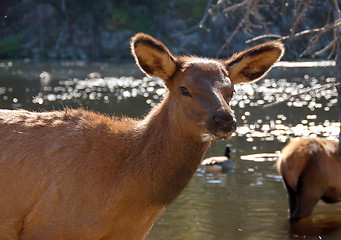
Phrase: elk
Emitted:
{"points": [[76, 174], [311, 171]]}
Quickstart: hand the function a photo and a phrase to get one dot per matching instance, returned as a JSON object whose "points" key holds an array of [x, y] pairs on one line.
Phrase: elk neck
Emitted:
{"points": [[171, 154]]}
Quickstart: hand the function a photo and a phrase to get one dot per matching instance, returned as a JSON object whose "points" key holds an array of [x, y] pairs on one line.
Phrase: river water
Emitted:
{"points": [[248, 202]]}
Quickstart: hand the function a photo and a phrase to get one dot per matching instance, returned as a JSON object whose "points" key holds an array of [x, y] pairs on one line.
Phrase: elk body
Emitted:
{"points": [[311, 170], [75, 174]]}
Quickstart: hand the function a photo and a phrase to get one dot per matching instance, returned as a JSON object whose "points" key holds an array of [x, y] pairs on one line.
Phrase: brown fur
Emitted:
{"points": [[75, 174], [311, 171]]}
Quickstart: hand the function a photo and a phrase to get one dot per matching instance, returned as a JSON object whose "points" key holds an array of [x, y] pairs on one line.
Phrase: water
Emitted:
{"points": [[248, 202]]}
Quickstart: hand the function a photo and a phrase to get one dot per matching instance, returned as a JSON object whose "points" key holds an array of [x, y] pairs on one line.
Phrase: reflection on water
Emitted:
{"points": [[246, 203], [103, 89]]}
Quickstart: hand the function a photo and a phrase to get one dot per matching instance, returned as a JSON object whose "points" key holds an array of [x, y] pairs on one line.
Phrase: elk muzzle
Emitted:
{"points": [[223, 123]]}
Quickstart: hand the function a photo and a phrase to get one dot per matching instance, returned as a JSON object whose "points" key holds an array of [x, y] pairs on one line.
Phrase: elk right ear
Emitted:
{"points": [[253, 63], [153, 57]]}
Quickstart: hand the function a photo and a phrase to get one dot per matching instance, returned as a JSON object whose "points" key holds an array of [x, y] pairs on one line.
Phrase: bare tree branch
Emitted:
{"points": [[337, 32], [324, 29]]}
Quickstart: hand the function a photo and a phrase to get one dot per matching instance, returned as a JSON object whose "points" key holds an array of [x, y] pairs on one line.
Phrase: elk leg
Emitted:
{"points": [[292, 197], [308, 195]]}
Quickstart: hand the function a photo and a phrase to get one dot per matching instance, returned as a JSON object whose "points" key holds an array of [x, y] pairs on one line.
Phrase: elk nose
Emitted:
{"points": [[225, 121]]}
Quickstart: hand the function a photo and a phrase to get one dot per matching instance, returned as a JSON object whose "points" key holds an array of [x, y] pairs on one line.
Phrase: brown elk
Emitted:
{"points": [[311, 170], [75, 174]]}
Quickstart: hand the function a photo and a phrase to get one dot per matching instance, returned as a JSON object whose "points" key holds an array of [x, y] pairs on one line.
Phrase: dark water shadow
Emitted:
{"points": [[326, 226]]}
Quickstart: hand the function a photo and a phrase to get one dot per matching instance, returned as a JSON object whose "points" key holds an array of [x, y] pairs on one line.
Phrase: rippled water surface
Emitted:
{"points": [[248, 202]]}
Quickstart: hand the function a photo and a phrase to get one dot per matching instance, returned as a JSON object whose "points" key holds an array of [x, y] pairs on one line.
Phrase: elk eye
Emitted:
{"points": [[184, 91]]}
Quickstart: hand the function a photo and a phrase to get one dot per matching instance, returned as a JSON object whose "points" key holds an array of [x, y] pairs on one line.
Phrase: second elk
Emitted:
{"points": [[311, 170]]}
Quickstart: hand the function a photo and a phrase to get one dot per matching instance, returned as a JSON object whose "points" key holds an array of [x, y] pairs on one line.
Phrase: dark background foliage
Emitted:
{"points": [[94, 30]]}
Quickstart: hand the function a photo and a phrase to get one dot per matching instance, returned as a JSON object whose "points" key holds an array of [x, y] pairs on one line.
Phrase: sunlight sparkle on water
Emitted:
{"points": [[308, 94]]}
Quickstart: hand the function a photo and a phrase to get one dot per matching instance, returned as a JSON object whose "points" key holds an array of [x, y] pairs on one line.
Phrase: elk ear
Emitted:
{"points": [[253, 63], [153, 57]]}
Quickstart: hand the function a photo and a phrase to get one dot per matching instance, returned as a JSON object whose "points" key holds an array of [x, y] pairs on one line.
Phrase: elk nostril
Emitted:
{"points": [[225, 121], [215, 120]]}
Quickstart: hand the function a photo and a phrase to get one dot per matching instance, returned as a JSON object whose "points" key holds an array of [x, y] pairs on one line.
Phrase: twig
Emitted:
{"points": [[294, 26], [325, 49], [311, 45], [258, 16], [331, 54], [236, 6], [264, 36], [244, 22], [228, 41], [325, 86], [198, 25]]}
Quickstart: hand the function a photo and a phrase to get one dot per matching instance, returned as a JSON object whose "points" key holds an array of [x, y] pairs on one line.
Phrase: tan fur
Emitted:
{"points": [[75, 174], [311, 169]]}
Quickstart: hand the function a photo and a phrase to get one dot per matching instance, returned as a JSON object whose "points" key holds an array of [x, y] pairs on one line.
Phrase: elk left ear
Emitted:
{"points": [[153, 57], [253, 63]]}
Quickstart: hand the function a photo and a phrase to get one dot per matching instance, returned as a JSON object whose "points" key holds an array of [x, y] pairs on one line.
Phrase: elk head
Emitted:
{"points": [[200, 89]]}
